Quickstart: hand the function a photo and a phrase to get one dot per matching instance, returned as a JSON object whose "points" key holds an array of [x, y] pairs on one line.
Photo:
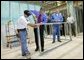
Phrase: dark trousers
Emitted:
{"points": [[62, 30], [48, 29], [73, 29], [41, 28]]}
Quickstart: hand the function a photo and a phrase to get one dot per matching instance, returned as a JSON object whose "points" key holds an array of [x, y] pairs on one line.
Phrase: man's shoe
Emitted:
{"points": [[59, 41], [23, 54], [74, 35], [36, 49], [42, 50], [53, 42], [28, 56]]}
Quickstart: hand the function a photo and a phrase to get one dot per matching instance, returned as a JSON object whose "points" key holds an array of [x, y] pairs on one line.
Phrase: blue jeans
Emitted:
{"points": [[23, 40], [56, 31]]}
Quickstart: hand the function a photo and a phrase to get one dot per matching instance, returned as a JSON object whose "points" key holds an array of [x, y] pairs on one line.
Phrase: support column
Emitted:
{"points": [[71, 10]]}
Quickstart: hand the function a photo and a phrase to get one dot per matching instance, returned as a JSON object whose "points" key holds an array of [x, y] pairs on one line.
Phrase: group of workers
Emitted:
{"points": [[40, 18]]}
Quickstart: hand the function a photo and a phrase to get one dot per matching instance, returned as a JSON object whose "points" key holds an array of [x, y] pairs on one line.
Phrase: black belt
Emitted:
{"points": [[18, 30], [21, 29]]}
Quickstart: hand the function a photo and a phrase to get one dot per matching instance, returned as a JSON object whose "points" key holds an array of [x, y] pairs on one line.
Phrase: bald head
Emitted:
{"points": [[57, 11], [69, 14]]}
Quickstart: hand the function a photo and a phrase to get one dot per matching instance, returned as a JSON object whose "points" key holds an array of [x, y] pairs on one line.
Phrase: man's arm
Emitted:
{"points": [[32, 25]]}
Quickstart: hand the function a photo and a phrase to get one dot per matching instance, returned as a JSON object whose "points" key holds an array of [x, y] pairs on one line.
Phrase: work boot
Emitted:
{"points": [[23, 54], [28, 56], [42, 50], [59, 41], [36, 49], [53, 42]]}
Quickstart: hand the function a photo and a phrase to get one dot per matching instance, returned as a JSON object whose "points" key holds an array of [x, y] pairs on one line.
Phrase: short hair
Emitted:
{"points": [[27, 13]]}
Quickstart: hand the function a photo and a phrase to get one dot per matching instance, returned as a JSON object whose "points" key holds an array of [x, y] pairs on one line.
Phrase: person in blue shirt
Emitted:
{"points": [[55, 18], [41, 18]]}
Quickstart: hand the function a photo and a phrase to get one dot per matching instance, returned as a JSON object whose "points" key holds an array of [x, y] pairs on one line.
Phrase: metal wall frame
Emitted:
{"points": [[70, 35]]}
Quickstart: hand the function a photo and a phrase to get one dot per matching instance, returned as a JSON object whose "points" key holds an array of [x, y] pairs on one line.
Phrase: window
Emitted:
{"points": [[37, 7], [22, 8], [4, 12], [14, 11], [31, 7]]}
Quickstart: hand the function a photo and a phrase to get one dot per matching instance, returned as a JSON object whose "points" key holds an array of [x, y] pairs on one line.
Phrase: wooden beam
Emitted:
{"points": [[64, 6]]}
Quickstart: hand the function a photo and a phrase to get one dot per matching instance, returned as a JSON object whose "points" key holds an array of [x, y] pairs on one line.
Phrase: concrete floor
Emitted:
{"points": [[65, 50]]}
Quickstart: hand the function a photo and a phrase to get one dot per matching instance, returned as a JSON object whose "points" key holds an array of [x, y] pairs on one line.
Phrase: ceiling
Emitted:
{"points": [[47, 4]]}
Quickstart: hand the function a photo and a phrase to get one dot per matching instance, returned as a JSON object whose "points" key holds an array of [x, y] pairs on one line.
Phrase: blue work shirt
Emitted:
{"points": [[56, 17], [35, 12], [43, 17]]}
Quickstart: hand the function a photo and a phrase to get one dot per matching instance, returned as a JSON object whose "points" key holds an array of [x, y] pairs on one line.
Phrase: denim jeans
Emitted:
{"points": [[56, 31], [23, 39]]}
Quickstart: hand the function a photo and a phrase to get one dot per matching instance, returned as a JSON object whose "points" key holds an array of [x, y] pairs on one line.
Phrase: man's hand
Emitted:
{"points": [[37, 25]]}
